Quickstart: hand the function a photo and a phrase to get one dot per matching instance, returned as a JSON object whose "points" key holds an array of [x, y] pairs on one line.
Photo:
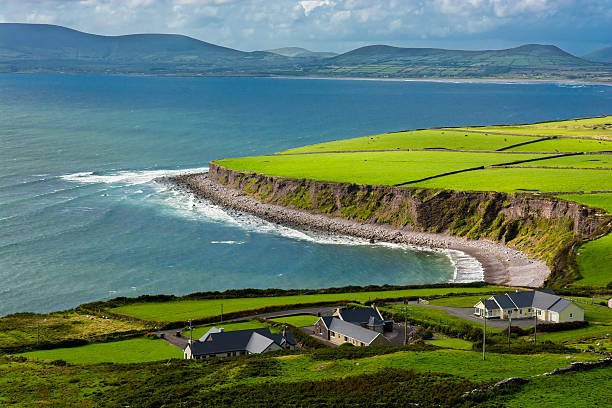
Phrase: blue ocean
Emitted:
{"points": [[83, 216]]}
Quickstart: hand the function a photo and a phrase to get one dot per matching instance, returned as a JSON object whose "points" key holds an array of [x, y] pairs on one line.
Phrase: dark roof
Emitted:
{"points": [[252, 340], [490, 305], [544, 300], [351, 330], [362, 315]]}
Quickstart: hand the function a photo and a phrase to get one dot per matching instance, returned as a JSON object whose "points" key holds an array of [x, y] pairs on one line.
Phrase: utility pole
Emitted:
{"points": [[509, 326], [221, 312], [190, 333], [484, 332], [37, 332], [405, 324], [535, 329]]}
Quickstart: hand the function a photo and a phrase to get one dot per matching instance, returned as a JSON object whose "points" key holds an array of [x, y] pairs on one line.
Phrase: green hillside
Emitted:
{"points": [[50, 48], [570, 159]]}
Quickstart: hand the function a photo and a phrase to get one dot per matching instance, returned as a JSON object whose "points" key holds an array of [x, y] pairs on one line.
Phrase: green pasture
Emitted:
{"points": [[378, 168], [297, 321], [589, 332], [417, 139], [448, 342], [458, 301], [184, 310], [524, 179], [229, 326], [590, 161], [563, 145], [595, 260], [137, 350]]}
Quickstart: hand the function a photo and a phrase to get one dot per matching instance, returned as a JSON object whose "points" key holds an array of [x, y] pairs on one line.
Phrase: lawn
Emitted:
{"points": [[21, 329], [417, 139], [229, 326], [524, 179], [458, 301], [448, 342], [198, 309], [297, 321], [378, 168], [595, 262], [136, 350]]}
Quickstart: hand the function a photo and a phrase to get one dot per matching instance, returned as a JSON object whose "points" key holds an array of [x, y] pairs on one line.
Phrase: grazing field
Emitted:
{"points": [[24, 329], [297, 321], [417, 139], [383, 168], [524, 179], [137, 350], [458, 301], [449, 342], [594, 261], [582, 161], [564, 145], [196, 309]]}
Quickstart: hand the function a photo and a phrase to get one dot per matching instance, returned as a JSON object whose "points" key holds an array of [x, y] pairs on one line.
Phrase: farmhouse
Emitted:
{"points": [[517, 305], [339, 331], [368, 317], [219, 343]]}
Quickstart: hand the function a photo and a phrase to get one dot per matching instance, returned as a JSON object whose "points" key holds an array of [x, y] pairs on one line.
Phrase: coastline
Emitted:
{"points": [[501, 265]]}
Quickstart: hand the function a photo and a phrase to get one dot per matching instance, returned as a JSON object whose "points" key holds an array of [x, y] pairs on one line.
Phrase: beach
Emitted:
{"points": [[502, 265]]}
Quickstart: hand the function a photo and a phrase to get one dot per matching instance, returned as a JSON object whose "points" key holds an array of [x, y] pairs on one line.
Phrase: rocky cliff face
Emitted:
{"points": [[544, 227]]}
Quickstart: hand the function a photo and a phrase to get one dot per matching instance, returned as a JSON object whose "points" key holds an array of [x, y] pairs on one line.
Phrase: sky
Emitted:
{"points": [[578, 26]]}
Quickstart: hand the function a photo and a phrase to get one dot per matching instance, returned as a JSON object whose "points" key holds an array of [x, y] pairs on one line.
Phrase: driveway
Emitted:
{"points": [[467, 313]]}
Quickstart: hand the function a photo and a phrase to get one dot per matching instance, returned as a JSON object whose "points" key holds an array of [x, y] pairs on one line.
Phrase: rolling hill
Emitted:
{"points": [[48, 48], [601, 55]]}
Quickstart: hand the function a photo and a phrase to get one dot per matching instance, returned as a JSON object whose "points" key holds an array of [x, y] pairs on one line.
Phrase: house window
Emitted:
{"points": [[539, 312], [571, 315], [345, 338]]}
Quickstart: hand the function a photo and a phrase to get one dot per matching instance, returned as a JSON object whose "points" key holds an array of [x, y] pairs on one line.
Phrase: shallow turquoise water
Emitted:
{"points": [[82, 219]]}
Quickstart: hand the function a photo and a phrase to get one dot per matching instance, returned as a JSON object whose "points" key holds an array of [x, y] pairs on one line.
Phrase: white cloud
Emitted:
{"points": [[310, 5]]}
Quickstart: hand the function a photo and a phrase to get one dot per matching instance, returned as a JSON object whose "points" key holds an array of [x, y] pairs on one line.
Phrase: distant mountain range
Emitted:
{"points": [[301, 52], [49, 48], [601, 55]]}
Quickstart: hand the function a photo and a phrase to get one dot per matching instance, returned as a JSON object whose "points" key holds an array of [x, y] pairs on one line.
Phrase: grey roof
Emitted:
{"points": [[350, 330], [258, 343], [362, 315], [209, 332], [544, 300], [251, 340], [490, 305]]}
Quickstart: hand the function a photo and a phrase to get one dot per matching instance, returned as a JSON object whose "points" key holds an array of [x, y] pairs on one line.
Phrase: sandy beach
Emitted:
{"points": [[501, 264]]}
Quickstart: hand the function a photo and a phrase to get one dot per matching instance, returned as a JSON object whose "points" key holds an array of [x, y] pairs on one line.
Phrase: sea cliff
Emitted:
{"points": [[520, 239]]}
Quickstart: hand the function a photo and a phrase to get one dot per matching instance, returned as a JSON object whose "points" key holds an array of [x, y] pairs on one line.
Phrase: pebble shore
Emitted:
{"points": [[502, 265]]}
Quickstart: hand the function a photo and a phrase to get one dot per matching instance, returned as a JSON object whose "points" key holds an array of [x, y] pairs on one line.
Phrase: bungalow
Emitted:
{"points": [[219, 343], [368, 317], [339, 331], [517, 305]]}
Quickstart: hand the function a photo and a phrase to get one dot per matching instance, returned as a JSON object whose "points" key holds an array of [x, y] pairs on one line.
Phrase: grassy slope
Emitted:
{"points": [[243, 325], [26, 383], [21, 329], [192, 309], [137, 350]]}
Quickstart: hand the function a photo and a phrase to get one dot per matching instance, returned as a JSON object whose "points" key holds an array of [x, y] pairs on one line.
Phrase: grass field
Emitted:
{"points": [[594, 261], [196, 309], [21, 329], [524, 179], [297, 321], [601, 200], [137, 350], [582, 161], [418, 139], [382, 168], [449, 342]]}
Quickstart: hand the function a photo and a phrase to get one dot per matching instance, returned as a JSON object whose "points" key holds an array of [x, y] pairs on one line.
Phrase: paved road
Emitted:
{"points": [[181, 341]]}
